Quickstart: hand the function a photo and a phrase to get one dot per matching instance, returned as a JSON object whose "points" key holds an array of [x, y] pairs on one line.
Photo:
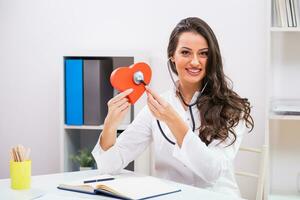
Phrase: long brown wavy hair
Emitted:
{"points": [[221, 109]]}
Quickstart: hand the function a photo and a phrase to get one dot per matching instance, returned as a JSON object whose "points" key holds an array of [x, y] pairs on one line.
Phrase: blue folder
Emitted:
{"points": [[73, 91]]}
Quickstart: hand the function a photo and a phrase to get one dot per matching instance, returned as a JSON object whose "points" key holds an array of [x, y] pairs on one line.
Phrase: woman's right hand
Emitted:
{"points": [[118, 106]]}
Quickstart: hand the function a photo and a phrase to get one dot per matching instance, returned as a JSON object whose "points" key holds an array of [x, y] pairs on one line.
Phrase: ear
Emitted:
{"points": [[172, 59]]}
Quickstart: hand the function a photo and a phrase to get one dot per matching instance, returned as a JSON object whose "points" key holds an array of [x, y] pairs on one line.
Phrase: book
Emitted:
{"points": [[91, 90], [128, 187], [297, 12], [276, 22], [73, 92], [292, 2], [289, 13], [97, 90], [106, 89], [282, 13]]}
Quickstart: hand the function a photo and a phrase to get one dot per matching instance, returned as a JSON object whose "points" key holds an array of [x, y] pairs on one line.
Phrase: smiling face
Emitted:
{"points": [[190, 58]]}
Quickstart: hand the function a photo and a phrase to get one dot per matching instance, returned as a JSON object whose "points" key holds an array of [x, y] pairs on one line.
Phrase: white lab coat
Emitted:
{"points": [[194, 163]]}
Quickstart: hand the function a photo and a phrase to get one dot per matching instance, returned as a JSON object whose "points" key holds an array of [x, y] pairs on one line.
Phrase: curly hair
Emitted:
{"points": [[221, 109]]}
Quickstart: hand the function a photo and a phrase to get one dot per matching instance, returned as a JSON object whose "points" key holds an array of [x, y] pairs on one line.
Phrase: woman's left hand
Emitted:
{"points": [[161, 109]]}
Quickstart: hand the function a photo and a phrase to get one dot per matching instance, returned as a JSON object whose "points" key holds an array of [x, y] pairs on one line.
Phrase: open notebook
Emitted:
{"points": [[130, 187]]}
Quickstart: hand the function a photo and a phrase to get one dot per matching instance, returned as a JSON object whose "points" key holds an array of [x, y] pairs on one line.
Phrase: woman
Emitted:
{"points": [[196, 127]]}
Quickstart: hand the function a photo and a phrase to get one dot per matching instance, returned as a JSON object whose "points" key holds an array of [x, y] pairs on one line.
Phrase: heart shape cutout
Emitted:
{"points": [[122, 79]]}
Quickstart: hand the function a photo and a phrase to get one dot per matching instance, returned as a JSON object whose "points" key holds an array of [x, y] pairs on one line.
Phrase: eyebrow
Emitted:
{"points": [[191, 49]]}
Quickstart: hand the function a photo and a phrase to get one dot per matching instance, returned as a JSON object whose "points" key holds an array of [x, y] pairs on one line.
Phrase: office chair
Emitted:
{"points": [[260, 176]]}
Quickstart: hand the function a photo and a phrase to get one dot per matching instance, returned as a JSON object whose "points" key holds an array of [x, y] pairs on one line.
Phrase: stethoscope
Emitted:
{"points": [[138, 78]]}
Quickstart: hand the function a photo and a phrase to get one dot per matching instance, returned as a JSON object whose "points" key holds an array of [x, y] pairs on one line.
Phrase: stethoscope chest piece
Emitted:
{"points": [[138, 77]]}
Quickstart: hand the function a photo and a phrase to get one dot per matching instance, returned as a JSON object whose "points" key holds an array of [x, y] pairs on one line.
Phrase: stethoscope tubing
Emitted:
{"points": [[188, 105], [138, 78], [163, 133]]}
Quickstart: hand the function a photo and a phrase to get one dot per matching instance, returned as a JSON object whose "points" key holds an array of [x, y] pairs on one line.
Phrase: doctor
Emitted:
{"points": [[196, 127]]}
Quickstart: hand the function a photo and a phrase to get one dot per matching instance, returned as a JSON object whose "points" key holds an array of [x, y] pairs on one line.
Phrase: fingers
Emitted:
{"points": [[119, 103], [125, 110], [155, 104], [120, 96], [123, 107], [153, 110], [156, 96], [119, 106]]}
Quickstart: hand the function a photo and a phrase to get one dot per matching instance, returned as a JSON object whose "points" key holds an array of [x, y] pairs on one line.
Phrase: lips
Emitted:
{"points": [[193, 71]]}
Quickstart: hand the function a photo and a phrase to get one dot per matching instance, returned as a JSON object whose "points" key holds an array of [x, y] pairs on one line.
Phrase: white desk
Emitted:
{"points": [[43, 187]]}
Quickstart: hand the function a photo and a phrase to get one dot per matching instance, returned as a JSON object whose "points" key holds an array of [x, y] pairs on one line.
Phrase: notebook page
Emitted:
{"points": [[140, 187]]}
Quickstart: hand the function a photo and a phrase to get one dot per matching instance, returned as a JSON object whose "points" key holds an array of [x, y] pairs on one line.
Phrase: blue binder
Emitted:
{"points": [[73, 91]]}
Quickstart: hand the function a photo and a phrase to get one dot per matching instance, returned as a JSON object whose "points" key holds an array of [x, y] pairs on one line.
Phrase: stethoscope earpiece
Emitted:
{"points": [[138, 78]]}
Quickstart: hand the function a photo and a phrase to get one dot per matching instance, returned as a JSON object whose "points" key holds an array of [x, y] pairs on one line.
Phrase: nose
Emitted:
{"points": [[195, 61]]}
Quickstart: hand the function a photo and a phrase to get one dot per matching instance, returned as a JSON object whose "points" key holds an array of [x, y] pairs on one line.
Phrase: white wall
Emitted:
{"points": [[35, 34]]}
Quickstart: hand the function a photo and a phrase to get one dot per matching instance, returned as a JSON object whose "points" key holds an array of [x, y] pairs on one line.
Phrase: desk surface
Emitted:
{"points": [[43, 187]]}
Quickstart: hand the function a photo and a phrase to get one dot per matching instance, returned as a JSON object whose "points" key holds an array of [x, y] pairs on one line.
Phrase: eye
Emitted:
{"points": [[185, 53], [203, 54]]}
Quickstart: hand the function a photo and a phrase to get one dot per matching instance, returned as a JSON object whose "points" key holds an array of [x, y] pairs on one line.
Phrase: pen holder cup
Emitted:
{"points": [[20, 174]]}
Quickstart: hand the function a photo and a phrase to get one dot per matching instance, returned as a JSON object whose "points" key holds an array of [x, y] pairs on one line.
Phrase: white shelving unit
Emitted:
{"points": [[284, 29], [283, 131], [273, 116], [73, 138], [100, 127]]}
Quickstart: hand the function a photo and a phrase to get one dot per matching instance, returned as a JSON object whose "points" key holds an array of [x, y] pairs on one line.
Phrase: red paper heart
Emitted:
{"points": [[122, 79]]}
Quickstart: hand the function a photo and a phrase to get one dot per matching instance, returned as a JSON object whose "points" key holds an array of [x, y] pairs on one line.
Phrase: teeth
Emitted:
{"points": [[194, 70]]}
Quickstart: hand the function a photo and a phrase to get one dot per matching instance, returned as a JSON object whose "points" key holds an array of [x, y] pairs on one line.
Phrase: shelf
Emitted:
{"points": [[100, 127], [284, 117], [284, 197], [285, 29]]}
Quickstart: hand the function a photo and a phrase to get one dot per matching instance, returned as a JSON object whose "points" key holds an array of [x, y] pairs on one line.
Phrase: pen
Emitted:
{"points": [[98, 180]]}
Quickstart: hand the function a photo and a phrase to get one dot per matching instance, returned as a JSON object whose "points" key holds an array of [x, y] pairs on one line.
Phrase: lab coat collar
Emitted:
{"points": [[194, 98]]}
